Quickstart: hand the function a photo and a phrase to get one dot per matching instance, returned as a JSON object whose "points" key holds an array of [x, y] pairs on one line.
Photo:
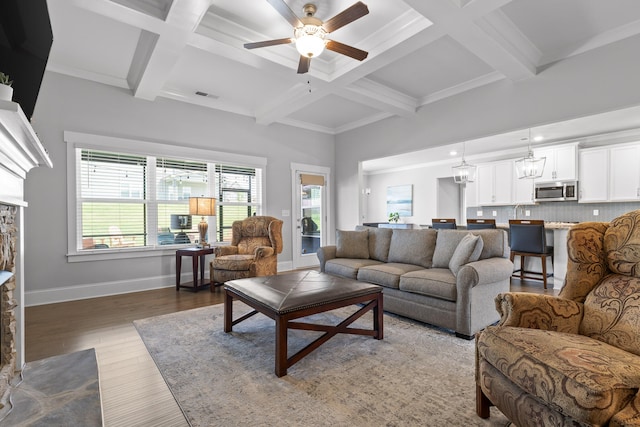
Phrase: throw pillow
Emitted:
{"points": [[468, 250], [413, 247], [352, 244]]}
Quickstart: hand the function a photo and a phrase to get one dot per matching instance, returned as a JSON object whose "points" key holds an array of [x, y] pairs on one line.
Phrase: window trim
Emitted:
{"points": [[76, 140]]}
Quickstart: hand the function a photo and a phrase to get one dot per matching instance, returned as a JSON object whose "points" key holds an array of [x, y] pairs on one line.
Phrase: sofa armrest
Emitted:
{"points": [[263, 252], [539, 311], [485, 271], [225, 250], [325, 253]]}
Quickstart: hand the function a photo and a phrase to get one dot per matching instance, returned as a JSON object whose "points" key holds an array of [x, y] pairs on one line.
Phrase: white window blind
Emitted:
{"points": [[126, 200], [112, 203], [239, 194]]}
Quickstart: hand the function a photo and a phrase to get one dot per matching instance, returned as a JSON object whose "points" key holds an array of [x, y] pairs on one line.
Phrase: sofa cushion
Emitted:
{"points": [[468, 250], [495, 243], [612, 311], [233, 262], [446, 244], [622, 244], [379, 242], [352, 244], [433, 282], [387, 274], [590, 380], [347, 267], [413, 247]]}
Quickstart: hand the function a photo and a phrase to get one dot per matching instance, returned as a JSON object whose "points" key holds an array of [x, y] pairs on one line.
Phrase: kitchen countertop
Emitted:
{"points": [[551, 225]]}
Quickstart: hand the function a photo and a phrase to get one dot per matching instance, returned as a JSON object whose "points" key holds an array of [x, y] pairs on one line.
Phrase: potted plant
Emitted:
{"points": [[6, 91], [394, 217]]}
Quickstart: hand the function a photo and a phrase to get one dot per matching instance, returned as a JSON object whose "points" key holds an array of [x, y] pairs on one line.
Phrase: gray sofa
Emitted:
{"points": [[448, 278]]}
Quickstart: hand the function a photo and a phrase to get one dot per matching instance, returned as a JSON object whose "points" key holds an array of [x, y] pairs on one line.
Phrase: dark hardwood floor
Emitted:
{"points": [[133, 391]]}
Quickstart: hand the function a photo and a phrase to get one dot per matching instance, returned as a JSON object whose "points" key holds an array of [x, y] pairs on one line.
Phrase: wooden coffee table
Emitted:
{"points": [[287, 297]]}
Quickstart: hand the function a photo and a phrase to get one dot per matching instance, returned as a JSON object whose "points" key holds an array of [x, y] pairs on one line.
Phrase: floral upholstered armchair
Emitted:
{"points": [[255, 244], [572, 360]]}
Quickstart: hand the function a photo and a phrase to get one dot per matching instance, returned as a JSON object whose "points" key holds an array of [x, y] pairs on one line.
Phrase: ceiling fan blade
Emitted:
{"points": [[268, 43], [286, 12], [303, 65], [344, 49], [350, 14]]}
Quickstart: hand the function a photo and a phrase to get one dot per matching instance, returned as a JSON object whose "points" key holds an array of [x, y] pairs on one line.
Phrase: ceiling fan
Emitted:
{"points": [[310, 32]]}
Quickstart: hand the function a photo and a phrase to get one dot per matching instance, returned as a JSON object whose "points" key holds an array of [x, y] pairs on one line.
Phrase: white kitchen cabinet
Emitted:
{"points": [[522, 190], [624, 173], [593, 185], [561, 162], [495, 183]]}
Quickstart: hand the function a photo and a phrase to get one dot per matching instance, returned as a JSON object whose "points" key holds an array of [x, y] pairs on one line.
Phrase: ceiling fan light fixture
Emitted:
{"points": [[310, 40]]}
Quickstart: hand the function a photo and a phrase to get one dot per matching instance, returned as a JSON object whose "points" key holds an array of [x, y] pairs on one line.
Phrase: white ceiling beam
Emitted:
{"points": [[493, 47], [161, 42], [381, 97]]}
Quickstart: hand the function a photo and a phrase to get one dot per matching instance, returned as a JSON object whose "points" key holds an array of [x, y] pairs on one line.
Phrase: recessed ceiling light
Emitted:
{"points": [[538, 138], [453, 152]]}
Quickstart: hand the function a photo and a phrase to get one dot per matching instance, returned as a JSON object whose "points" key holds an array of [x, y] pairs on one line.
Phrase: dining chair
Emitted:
{"points": [[527, 238], [449, 223], [477, 224]]}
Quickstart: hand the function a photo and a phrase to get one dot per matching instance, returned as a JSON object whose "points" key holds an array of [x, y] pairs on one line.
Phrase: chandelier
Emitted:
{"points": [[464, 172], [530, 167]]}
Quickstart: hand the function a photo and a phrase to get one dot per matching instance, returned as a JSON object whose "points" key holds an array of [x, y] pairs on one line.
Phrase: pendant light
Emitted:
{"points": [[464, 172], [530, 167]]}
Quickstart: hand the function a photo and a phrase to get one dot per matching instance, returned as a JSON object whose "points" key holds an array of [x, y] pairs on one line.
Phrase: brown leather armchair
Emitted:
{"points": [[573, 359], [255, 244]]}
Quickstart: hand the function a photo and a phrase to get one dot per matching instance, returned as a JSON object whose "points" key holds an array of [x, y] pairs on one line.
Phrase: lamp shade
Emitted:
{"points": [[203, 206]]}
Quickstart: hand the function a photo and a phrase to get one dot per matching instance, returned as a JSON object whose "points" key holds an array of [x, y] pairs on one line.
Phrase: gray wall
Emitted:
{"points": [[565, 90], [71, 104]]}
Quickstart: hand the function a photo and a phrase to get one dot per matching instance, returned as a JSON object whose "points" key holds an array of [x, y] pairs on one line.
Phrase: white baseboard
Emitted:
{"points": [[117, 287]]}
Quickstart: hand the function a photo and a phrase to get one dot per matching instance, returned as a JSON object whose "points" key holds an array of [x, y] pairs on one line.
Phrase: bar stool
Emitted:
{"points": [[449, 223], [478, 224], [527, 239]]}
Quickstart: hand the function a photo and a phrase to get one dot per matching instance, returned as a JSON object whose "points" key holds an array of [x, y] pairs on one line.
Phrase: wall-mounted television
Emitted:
{"points": [[25, 42]]}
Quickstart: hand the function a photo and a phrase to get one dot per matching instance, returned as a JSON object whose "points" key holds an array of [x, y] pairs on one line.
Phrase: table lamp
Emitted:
{"points": [[204, 206]]}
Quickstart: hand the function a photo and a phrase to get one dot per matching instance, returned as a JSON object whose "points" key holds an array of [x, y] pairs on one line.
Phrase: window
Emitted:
{"points": [[129, 200]]}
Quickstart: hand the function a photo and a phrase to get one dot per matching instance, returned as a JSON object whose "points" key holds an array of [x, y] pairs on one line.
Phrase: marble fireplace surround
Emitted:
{"points": [[20, 151]]}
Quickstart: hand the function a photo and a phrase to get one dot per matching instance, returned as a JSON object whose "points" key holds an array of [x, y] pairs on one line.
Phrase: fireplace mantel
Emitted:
{"points": [[20, 151], [20, 148]]}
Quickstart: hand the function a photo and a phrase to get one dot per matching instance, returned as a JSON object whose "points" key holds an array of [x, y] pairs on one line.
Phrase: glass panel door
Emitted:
{"points": [[310, 216]]}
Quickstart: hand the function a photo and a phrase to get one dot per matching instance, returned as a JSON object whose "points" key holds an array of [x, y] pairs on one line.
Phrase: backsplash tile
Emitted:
{"points": [[556, 211]]}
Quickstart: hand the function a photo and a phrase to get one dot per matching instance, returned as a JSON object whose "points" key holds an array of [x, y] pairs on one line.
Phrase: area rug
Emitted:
{"points": [[57, 391], [416, 376]]}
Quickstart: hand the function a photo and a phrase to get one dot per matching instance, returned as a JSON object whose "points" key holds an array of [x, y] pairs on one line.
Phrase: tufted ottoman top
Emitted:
{"points": [[302, 289]]}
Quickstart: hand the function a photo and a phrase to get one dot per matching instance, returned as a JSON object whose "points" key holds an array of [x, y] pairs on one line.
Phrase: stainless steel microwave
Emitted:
{"points": [[556, 191]]}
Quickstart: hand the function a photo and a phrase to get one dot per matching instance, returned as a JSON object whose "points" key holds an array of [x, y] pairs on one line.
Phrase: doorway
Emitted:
{"points": [[450, 203], [309, 201]]}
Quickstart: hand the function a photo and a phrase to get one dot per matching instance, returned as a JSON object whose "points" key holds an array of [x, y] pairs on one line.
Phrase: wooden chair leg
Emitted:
{"points": [[483, 404], [522, 259]]}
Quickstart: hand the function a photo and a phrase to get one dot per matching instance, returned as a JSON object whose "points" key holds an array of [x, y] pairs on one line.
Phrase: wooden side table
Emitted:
{"points": [[195, 254]]}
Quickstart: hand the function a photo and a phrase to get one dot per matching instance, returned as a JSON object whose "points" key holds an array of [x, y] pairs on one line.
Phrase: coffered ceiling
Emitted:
{"points": [[420, 51]]}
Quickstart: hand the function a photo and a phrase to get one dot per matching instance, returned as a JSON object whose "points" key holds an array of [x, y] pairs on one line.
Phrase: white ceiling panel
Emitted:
{"points": [[555, 25], [441, 64], [90, 42], [333, 111]]}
